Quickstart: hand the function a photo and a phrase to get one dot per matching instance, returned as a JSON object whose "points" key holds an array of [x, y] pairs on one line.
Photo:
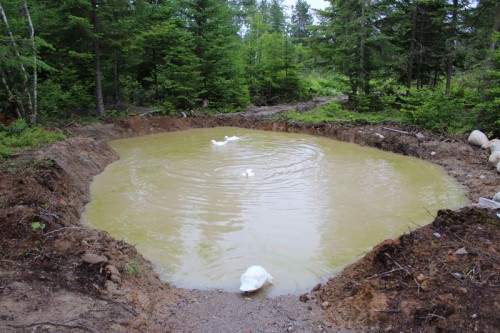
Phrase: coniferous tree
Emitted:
{"points": [[277, 16], [347, 41], [216, 45], [301, 20]]}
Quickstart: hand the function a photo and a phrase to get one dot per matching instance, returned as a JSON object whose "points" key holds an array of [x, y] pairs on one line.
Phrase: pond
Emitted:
{"points": [[310, 206]]}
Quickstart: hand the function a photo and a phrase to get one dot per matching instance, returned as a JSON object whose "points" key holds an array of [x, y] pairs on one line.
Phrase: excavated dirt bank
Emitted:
{"points": [[53, 277]]}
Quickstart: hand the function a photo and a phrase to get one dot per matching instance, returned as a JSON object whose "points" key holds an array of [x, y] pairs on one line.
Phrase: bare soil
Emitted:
{"points": [[443, 277]]}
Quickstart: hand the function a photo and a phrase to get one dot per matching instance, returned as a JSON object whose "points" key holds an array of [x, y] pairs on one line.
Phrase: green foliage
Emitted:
{"points": [[114, 114], [18, 136], [324, 84], [435, 110], [45, 163], [333, 112], [132, 267], [489, 109], [35, 226], [56, 102], [178, 54], [15, 129]]}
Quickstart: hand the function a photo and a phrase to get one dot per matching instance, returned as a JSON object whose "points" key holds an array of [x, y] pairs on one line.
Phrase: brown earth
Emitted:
{"points": [[417, 283]]}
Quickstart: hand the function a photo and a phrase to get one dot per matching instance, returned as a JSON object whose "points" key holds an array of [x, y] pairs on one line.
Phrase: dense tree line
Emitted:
{"points": [[439, 54], [67, 56]]}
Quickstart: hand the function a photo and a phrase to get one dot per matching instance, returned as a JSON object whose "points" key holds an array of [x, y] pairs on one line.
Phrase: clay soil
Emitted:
{"points": [[443, 277]]}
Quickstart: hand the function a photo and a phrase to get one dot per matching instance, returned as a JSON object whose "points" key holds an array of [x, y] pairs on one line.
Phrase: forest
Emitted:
{"points": [[429, 63]]}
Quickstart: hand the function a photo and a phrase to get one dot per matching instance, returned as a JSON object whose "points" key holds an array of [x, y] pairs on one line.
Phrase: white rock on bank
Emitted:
{"points": [[496, 197], [478, 138], [483, 202], [494, 158], [494, 145]]}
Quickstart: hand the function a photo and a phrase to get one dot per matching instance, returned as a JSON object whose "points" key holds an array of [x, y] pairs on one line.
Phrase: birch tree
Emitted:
{"points": [[18, 100]]}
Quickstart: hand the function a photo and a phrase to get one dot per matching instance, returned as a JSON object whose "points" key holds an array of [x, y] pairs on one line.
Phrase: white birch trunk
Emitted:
{"points": [[35, 74], [24, 75]]}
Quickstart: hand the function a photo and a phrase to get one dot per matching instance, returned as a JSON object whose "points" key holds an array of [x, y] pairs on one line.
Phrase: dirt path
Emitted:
{"points": [[48, 284]]}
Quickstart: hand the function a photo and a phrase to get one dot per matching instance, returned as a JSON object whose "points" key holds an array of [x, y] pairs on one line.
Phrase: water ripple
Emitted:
{"points": [[311, 206]]}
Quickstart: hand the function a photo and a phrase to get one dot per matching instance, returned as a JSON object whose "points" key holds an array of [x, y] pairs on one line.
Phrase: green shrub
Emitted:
{"points": [[432, 109], [324, 84], [333, 112], [56, 102], [18, 136]]}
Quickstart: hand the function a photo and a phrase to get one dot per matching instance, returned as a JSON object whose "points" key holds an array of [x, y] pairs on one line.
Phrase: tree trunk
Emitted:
{"points": [[97, 62], [155, 76], [362, 60], [411, 51], [116, 79], [420, 58], [35, 69], [451, 54]]}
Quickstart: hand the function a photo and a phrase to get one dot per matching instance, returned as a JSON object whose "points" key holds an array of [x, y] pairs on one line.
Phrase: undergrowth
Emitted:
{"points": [[19, 136], [333, 112], [433, 110]]}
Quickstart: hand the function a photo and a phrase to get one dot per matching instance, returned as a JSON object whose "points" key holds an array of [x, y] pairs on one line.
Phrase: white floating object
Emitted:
{"points": [[254, 278], [231, 138], [478, 138], [248, 173], [219, 143]]}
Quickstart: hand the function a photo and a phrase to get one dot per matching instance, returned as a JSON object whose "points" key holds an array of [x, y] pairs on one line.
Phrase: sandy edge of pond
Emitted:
{"points": [[416, 283]]}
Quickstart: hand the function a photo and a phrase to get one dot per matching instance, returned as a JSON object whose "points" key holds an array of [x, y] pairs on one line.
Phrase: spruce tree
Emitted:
{"points": [[217, 48]]}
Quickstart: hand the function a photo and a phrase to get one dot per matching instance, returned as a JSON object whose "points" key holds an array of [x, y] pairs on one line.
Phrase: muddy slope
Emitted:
{"points": [[47, 282]]}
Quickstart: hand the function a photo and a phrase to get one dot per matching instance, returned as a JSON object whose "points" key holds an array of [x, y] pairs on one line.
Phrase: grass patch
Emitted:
{"points": [[132, 267], [19, 136], [333, 112]]}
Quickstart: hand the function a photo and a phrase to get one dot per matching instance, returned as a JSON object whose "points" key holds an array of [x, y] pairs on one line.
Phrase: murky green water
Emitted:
{"points": [[312, 206]]}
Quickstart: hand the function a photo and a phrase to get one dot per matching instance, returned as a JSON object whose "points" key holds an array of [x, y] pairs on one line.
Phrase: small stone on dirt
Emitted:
{"points": [[461, 251], [420, 136], [92, 258], [111, 269], [325, 305], [304, 298], [115, 279], [437, 235]]}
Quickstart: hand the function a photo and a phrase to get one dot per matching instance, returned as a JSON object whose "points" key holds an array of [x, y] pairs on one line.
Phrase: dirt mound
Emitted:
{"points": [[443, 277], [416, 283]]}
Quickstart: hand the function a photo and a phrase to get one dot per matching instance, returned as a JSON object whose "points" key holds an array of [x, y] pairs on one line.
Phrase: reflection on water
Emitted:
{"points": [[312, 206]]}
